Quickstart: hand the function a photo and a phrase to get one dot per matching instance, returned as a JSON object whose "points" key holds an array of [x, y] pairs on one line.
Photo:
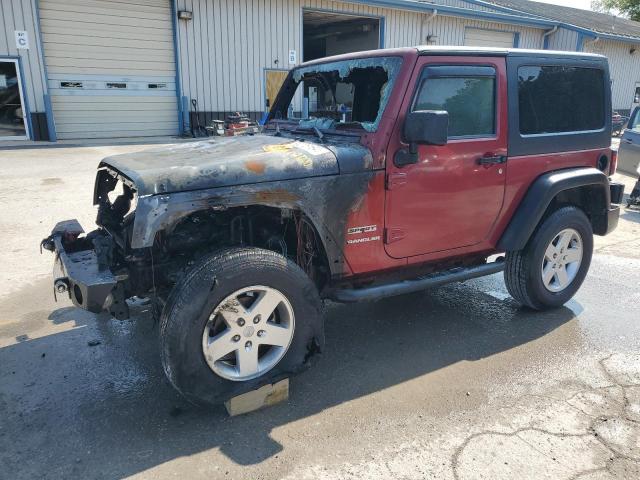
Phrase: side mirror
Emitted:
{"points": [[430, 127]]}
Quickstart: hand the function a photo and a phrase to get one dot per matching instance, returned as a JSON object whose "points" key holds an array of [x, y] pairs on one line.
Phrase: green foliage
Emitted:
{"points": [[626, 8]]}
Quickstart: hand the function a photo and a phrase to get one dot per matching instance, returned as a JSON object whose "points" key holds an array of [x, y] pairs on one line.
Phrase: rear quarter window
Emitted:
{"points": [[560, 99]]}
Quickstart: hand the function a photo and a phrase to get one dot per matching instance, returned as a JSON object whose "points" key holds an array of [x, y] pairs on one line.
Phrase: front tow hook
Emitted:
{"points": [[48, 244], [60, 286]]}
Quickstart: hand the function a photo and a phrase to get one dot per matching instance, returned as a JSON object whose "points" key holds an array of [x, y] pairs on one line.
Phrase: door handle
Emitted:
{"points": [[492, 160]]}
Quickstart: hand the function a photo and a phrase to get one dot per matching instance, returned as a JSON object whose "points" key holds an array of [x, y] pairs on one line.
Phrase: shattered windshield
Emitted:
{"points": [[348, 93]]}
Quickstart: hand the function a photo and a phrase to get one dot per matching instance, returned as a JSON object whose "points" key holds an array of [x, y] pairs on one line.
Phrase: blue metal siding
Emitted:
{"points": [[22, 15], [229, 76]]}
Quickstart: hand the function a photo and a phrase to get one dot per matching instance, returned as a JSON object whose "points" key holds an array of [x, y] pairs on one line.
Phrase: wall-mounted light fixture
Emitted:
{"points": [[185, 15], [632, 50], [431, 38]]}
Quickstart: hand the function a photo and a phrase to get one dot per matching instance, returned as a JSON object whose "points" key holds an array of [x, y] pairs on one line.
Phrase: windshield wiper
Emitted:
{"points": [[319, 133], [313, 129]]}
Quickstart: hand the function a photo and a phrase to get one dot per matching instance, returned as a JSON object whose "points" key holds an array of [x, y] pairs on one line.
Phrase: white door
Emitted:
{"points": [[478, 37], [111, 67]]}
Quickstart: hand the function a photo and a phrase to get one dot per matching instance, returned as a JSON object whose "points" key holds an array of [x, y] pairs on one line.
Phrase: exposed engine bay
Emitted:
{"points": [[151, 272]]}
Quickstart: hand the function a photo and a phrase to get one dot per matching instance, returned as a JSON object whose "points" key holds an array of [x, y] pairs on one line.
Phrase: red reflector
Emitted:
{"points": [[613, 166]]}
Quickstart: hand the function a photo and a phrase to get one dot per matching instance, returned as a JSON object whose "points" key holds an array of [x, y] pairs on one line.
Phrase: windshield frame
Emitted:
{"points": [[392, 64]]}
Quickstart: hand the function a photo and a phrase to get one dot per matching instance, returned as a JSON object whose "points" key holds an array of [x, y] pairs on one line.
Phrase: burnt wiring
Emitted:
{"points": [[306, 244], [156, 304], [285, 231]]}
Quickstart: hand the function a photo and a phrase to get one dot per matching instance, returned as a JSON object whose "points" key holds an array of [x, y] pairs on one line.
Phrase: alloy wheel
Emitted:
{"points": [[248, 333], [562, 260]]}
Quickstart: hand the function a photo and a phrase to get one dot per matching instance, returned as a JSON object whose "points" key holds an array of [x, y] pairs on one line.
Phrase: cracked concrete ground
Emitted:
{"points": [[455, 383], [588, 433]]}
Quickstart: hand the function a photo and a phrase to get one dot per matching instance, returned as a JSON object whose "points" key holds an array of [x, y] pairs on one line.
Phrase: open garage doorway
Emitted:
{"points": [[13, 115], [326, 34]]}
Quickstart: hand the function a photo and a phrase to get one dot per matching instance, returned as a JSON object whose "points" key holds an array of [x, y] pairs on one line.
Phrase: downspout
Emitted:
{"points": [[546, 35], [590, 42], [424, 24]]}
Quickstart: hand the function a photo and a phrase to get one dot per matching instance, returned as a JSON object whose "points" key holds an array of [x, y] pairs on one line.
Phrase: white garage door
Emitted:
{"points": [[111, 67], [477, 37]]}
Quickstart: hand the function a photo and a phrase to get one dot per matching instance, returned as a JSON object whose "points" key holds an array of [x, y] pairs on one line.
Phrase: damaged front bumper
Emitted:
{"points": [[79, 271]]}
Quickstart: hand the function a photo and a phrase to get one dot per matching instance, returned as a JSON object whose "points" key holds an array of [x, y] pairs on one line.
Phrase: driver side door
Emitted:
{"points": [[451, 197]]}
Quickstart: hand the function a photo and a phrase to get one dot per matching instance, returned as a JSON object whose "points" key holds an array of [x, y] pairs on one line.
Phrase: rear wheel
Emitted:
{"points": [[553, 264], [241, 318]]}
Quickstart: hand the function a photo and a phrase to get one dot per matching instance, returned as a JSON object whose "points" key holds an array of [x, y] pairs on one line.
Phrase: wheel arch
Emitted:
{"points": [[586, 188], [154, 216]]}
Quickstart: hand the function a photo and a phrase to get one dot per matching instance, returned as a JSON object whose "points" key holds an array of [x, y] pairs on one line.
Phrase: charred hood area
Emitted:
{"points": [[235, 161]]}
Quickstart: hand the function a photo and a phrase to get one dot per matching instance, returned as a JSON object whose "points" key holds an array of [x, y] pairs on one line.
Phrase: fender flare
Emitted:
{"points": [[538, 197], [155, 213]]}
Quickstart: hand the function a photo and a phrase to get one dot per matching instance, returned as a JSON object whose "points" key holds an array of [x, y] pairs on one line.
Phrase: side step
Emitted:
{"points": [[351, 295]]}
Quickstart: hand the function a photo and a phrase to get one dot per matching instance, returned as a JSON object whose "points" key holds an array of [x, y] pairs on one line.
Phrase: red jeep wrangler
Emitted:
{"points": [[376, 174]]}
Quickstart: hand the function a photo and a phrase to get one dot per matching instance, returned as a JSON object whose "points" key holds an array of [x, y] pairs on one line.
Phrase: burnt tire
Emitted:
{"points": [[525, 270], [195, 299]]}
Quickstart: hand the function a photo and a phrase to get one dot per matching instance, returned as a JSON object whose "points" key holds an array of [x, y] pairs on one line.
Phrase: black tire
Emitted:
{"points": [[522, 272], [210, 281]]}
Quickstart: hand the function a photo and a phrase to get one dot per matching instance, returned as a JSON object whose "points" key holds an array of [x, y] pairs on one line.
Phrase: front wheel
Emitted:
{"points": [[553, 264], [240, 318]]}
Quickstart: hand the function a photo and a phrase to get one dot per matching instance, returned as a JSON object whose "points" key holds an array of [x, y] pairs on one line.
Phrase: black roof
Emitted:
{"points": [[587, 19]]}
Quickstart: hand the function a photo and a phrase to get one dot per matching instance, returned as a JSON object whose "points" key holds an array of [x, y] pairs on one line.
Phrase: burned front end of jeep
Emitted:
{"points": [[144, 244], [99, 270], [291, 189]]}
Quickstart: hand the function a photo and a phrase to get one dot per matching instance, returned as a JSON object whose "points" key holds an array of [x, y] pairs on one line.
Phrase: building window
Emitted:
{"points": [[556, 99], [469, 100], [71, 85]]}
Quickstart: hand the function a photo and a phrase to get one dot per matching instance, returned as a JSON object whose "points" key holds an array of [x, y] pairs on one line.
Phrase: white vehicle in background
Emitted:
{"points": [[634, 198], [629, 151]]}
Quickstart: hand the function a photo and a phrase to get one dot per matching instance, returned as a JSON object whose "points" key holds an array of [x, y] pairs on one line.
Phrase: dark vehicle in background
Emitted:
{"points": [[377, 173]]}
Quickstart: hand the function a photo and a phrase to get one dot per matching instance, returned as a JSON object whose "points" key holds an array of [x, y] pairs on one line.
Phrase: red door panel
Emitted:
{"points": [[448, 200]]}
